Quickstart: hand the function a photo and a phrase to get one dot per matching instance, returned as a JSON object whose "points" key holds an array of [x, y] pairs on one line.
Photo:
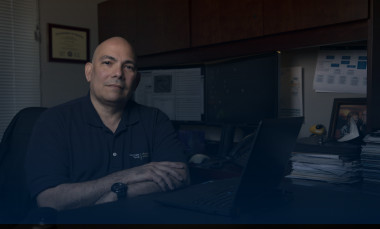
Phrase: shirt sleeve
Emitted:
{"points": [[46, 163], [166, 144]]}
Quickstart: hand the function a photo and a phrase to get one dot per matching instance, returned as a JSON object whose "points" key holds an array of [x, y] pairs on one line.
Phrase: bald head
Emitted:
{"points": [[114, 43]]}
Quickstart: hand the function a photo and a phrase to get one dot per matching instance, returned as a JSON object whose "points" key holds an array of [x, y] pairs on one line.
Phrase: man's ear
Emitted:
{"points": [[88, 71], [137, 81]]}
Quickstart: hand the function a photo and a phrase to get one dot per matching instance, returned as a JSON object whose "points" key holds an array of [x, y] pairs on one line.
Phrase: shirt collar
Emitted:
{"points": [[129, 117]]}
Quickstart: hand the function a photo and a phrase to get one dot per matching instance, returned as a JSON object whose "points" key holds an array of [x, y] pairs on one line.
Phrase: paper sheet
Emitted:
{"points": [[291, 92], [342, 71], [354, 132]]}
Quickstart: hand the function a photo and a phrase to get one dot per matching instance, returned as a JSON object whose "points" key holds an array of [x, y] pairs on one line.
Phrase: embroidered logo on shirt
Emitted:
{"points": [[139, 155]]}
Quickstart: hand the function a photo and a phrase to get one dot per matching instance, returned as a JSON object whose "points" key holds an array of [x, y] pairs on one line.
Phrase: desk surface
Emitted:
{"points": [[309, 204]]}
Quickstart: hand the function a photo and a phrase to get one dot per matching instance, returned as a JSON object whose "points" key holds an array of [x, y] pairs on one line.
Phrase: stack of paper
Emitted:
{"points": [[370, 158], [324, 167]]}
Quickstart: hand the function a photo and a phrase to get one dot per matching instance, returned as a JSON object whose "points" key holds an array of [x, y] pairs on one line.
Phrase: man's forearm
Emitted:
{"points": [[142, 188], [78, 194], [149, 178], [75, 195], [69, 196], [134, 190]]}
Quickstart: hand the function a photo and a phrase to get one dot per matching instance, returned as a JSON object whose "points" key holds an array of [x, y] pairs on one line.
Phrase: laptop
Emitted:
{"points": [[257, 187]]}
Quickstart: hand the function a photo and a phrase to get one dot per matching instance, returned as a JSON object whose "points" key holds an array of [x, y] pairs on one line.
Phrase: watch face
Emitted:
{"points": [[120, 189]]}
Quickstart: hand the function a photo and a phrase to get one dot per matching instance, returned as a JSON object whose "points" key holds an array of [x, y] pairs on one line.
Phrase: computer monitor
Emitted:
{"points": [[178, 91], [242, 91]]}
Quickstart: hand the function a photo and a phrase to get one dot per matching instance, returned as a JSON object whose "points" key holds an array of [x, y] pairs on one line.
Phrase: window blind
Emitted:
{"points": [[19, 58]]}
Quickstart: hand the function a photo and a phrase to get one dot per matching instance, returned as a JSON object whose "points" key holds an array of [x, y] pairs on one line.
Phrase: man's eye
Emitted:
{"points": [[129, 67], [107, 62]]}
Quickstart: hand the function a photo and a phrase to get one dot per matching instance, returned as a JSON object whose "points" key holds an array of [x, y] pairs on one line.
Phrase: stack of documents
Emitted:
{"points": [[329, 162], [370, 158], [324, 167]]}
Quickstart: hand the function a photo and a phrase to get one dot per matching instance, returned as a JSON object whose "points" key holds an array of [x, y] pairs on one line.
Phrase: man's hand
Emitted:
{"points": [[167, 175]]}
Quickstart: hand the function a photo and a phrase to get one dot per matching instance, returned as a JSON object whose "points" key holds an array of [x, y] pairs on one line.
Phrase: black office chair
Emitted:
{"points": [[15, 201]]}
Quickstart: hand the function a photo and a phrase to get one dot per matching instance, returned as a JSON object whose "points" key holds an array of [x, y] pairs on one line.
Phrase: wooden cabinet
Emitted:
{"points": [[162, 25], [157, 26], [217, 21], [117, 18], [152, 26], [193, 31], [290, 15]]}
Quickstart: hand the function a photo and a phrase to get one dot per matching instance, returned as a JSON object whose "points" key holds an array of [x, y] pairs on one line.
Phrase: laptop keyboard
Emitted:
{"points": [[220, 199], [215, 196]]}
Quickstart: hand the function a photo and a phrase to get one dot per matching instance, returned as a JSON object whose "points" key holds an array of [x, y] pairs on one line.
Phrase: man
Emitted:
{"points": [[104, 146]]}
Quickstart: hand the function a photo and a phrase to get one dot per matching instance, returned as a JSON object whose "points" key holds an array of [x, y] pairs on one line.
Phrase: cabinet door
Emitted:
{"points": [[162, 25], [117, 18], [152, 26], [289, 15], [216, 21]]}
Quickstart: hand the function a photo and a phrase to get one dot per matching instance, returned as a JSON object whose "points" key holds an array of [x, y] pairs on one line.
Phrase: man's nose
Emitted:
{"points": [[118, 72]]}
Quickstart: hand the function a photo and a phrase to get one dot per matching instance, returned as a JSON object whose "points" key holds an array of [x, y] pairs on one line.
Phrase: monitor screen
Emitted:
{"points": [[176, 91], [242, 91]]}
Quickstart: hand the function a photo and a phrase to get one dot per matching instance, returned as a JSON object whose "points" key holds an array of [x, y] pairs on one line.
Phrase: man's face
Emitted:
{"points": [[112, 73]]}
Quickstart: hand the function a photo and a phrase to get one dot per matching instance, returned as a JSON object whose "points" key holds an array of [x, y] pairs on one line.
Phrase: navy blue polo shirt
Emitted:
{"points": [[71, 144]]}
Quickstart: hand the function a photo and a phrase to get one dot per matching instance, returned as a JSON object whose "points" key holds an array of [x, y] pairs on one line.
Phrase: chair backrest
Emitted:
{"points": [[15, 201]]}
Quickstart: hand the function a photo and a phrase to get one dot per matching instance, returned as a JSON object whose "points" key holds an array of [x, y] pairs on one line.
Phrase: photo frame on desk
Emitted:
{"points": [[345, 112], [68, 44]]}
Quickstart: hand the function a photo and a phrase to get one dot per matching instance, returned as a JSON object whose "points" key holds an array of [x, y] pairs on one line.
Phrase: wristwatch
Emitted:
{"points": [[120, 189]]}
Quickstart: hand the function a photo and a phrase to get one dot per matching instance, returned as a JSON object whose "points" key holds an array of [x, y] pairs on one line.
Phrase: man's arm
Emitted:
{"points": [[145, 179]]}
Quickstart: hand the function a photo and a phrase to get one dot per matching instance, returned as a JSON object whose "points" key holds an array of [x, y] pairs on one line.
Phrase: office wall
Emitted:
{"points": [[317, 106], [61, 82]]}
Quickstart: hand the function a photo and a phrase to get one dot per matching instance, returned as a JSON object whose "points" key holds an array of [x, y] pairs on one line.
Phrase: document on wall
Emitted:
{"points": [[177, 92], [342, 71], [291, 92]]}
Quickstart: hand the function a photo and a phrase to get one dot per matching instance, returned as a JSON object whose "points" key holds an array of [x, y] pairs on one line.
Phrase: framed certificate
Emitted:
{"points": [[68, 44]]}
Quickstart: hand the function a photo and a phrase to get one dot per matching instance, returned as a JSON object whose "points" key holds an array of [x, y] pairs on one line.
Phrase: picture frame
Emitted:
{"points": [[345, 111], [68, 44]]}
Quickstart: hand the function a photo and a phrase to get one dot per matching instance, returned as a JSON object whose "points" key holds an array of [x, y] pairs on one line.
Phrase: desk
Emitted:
{"points": [[309, 204]]}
